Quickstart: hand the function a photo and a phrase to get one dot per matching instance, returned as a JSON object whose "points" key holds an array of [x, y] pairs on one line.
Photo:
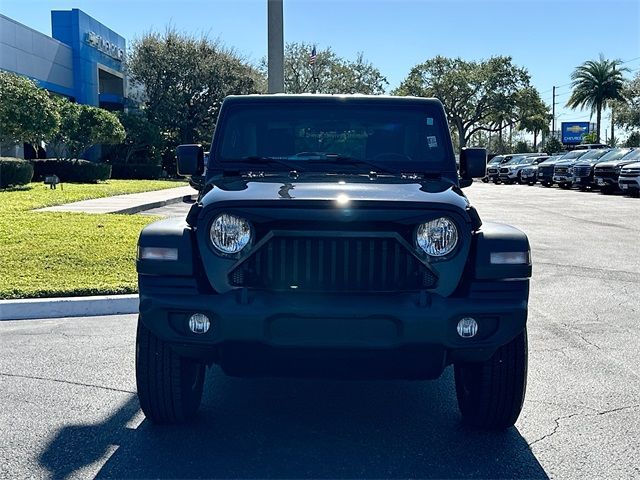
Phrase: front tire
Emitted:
{"points": [[491, 393], [565, 186], [169, 386]]}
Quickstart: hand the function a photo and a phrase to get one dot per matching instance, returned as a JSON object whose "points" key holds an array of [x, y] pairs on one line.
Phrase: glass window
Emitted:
{"points": [[394, 136]]}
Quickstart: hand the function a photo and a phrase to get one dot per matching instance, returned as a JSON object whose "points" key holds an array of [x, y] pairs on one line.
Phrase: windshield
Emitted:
{"points": [[496, 160], [615, 154], [573, 155], [520, 160], [594, 154], [401, 138], [632, 155]]}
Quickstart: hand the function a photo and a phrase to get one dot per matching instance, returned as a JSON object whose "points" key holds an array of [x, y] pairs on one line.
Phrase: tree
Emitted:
{"points": [[534, 114], [329, 73], [27, 113], [477, 96], [591, 137], [184, 79], [83, 126], [633, 140], [143, 140], [522, 147], [553, 145], [627, 111], [595, 84]]}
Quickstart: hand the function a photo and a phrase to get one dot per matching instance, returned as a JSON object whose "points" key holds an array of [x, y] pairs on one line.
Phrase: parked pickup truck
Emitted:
{"points": [[606, 173], [629, 179], [512, 172], [584, 168], [332, 239]]}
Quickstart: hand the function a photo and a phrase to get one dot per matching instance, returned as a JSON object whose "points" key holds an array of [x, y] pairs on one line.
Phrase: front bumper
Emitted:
{"points": [[563, 178], [583, 181], [629, 183], [605, 181], [406, 335], [508, 176], [545, 177]]}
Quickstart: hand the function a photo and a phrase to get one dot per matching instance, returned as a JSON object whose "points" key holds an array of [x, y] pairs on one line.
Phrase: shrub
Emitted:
{"points": [[14, 171], [136, 171], [72, 171]]}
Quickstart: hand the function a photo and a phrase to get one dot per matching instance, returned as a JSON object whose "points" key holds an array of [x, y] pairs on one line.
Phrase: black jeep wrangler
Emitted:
{"points": [[332, 239]]}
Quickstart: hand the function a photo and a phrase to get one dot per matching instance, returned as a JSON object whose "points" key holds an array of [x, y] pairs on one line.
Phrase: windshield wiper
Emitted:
{"points": [[258, 160], [337, 159]]}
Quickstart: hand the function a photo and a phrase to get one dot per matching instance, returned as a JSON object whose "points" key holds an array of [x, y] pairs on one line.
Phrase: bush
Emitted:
{"points": [[522, 147], [633, 140], [72, 171], [552, 145], [14, 171], [136, 171]]}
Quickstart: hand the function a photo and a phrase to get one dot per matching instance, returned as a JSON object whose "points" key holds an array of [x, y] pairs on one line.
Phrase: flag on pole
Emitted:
{"points": [[313, 56]]}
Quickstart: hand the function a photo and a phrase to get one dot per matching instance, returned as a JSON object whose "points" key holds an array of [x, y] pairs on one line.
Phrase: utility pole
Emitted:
{"points": [[553, 108], [275, 39], [613, 135]]}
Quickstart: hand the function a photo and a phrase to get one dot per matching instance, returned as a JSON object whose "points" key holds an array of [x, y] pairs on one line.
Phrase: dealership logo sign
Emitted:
{"points": [[572, 132], [105, 46]]}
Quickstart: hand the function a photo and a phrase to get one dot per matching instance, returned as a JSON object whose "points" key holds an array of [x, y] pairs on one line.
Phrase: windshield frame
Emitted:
{"points": [[446, 166]]}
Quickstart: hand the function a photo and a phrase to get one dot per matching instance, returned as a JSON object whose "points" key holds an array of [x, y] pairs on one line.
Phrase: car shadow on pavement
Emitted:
{"points": [[284, 428]]}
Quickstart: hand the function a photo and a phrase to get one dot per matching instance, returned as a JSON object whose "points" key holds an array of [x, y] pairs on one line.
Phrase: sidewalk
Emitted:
{"points": [[130, 203], [36, 308]]}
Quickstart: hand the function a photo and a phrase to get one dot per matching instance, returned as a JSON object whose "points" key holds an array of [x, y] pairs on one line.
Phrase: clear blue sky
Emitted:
{"points": [[548, 37]]}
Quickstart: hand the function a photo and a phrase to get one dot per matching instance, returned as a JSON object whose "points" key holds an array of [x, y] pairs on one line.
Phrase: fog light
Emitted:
{"points": [[199, 323], [467, 327]]}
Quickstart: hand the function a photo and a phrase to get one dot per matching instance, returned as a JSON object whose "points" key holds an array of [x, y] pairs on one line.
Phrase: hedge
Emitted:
{"points": [[136, 171], [14, 171], [72, 171]]}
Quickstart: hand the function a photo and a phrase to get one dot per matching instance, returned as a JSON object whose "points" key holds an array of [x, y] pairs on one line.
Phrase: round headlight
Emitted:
{"points": [[437, 237], [230, 234]]}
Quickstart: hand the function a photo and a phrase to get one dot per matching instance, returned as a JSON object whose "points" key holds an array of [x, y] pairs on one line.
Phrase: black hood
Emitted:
{"points": [[335, 190]]}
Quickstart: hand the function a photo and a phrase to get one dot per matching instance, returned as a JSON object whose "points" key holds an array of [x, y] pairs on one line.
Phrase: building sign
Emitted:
{"points": [[572, 132], [105, 46]]}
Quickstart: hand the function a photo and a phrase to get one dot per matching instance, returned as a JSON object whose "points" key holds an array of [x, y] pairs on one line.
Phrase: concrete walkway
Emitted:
{"points": [[130, 203]]}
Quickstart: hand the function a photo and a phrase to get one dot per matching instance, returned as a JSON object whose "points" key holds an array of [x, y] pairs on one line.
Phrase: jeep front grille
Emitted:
{"points": [[332, 264]]}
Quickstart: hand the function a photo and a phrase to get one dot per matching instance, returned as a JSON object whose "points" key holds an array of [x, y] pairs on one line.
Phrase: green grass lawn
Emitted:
{"points": [[48, 254]]}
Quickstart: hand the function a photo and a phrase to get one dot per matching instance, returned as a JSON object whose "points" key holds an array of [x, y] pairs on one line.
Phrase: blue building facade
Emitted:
{"points": [[83, 60]]}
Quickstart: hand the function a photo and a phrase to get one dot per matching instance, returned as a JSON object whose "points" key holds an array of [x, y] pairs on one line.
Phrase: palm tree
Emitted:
{"points": [[595, 83]]}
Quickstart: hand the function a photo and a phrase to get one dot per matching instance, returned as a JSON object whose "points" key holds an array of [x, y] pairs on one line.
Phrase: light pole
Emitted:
{"points": [[275, 40]]}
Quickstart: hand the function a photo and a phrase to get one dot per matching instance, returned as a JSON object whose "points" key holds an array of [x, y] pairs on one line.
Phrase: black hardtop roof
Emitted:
{"points": [[280, 98]]}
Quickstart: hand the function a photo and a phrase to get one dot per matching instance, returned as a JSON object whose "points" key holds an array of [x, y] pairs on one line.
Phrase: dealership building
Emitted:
{"points": [[82, 60]]}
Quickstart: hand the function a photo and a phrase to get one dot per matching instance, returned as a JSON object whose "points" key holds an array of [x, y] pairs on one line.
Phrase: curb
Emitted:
{"points": [[150, 206], [40, 308]]}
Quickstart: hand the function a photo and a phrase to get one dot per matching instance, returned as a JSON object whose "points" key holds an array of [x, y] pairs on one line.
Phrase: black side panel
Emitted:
{"points": [[169, 233], [496, 237]]}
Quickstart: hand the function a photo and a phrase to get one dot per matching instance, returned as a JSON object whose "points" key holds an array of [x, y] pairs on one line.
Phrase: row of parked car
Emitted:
{"points": [[588, 167]]}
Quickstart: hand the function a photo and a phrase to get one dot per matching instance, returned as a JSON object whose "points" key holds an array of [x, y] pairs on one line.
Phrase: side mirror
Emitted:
{"points": [[190, 160], [473, 164]]}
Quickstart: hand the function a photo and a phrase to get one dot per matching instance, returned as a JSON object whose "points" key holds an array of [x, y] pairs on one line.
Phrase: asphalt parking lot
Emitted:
{"points": [[68, 406]]}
